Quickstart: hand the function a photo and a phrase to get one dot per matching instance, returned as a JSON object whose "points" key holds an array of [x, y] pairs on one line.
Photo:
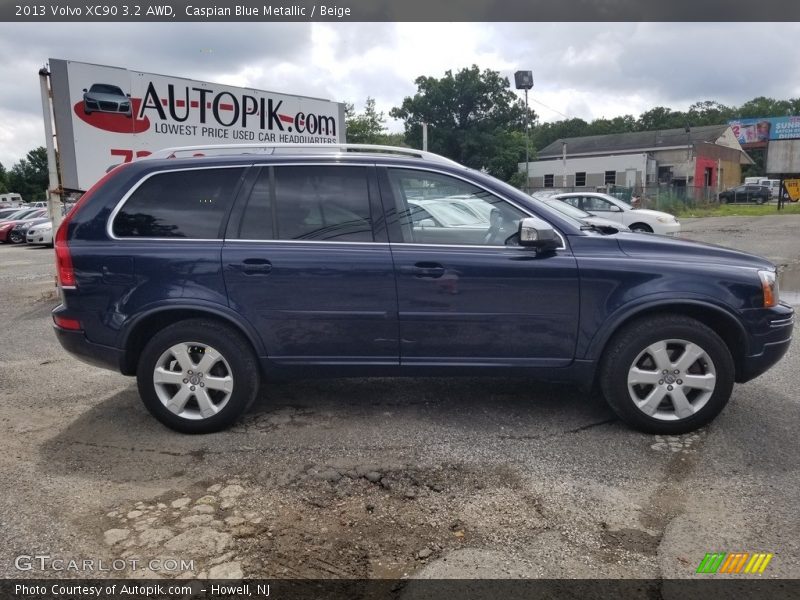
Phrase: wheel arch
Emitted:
{"points": [[724, 324], [643, 225], [134, 337]]}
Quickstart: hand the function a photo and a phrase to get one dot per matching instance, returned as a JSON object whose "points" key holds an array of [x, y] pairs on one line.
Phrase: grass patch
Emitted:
{"points": [[739, 210]]}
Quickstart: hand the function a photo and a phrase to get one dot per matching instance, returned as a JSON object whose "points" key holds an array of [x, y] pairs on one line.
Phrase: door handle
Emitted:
{"points": [[428, 270], [253, 266]]}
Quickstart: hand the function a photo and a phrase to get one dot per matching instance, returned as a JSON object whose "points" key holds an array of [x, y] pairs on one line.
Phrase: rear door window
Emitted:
{"points": [[179, 204], [316, 203]]}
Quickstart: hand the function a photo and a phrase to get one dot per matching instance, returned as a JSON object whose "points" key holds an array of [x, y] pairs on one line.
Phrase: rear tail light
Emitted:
{"points": [[66, 323], [66, 274], [64, 269]]}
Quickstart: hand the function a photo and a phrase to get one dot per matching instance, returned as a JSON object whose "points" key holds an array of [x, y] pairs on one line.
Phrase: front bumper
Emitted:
{"points": [[671, 229], [38, 238], [771, 337]]}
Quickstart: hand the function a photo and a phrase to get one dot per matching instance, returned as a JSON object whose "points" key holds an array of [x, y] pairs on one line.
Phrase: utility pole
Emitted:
{"points": [[688, 157], [424, 137], [523, 80]]}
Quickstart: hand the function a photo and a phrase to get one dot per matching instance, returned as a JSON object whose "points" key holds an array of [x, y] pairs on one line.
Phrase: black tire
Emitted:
{"points": [[237, 354], [15, 238], [631, 342], [641, 228]]}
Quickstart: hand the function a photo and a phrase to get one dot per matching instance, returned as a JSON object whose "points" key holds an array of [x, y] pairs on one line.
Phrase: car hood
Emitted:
{"points": [[667, 248], [652, 213], [43, 225]]}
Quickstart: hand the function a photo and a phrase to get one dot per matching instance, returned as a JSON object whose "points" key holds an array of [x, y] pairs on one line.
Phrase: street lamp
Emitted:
{"points": [[524, 81]]}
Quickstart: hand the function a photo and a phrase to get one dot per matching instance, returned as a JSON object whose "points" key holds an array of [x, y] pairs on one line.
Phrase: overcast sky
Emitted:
{"points": [[585, 70]]}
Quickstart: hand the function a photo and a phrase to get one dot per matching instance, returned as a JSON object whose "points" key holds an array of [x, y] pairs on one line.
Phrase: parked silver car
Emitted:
{"points": [[103, 97]]}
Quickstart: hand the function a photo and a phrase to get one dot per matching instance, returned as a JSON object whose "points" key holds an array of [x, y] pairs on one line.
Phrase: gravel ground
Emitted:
{"points": [[356, 478]]}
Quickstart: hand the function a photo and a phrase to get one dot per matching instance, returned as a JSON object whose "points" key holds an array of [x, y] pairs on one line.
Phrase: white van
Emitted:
{"points": [[10, 200], [774, 186]]}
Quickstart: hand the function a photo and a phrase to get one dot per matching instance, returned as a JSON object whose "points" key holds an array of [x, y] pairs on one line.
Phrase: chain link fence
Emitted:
{"points": [[671, 199]]}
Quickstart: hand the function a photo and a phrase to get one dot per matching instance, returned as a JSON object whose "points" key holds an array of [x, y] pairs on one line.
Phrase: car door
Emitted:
{"points": [[307, 261], [470, 297]]}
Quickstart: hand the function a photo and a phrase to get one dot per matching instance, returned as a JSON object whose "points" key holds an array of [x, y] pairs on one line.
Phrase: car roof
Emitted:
{"points": [[313, 150]]}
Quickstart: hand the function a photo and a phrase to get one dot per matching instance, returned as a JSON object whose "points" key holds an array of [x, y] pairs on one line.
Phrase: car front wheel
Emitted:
{"points": [[197, 376], [668, 374]]}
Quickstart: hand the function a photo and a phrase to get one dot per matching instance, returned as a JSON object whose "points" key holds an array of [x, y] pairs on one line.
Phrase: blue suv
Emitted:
{"points": [[203, 276]]}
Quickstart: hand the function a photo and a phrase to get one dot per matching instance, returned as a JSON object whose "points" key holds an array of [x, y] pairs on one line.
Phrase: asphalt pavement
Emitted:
{"points": [[387, 477]]}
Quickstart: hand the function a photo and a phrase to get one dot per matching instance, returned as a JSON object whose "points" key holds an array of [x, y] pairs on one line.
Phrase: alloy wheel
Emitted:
{"points": [[671, 379], [193, 380]]}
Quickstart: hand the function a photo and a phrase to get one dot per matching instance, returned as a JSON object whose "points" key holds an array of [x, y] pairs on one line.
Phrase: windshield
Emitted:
{"points": [[567, 209], [18, 215], [564, 215], [103, 88]]}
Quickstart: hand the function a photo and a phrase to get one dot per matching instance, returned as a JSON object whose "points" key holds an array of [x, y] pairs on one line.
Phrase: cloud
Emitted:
{"points": [[585, 70]]}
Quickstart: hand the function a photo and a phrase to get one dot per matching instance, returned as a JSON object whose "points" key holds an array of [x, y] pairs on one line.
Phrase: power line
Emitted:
{"points": [[551, 108]]}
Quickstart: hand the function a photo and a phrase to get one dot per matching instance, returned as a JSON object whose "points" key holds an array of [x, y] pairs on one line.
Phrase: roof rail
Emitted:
{"points": [[225, 149]]}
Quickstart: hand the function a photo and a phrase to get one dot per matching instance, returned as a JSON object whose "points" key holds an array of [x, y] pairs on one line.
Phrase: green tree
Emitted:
{"points": [[547, 133], [766, 107], [368, 127], [660, 117], [473, 117], [29, 176], [709, 112], [3, 179]]}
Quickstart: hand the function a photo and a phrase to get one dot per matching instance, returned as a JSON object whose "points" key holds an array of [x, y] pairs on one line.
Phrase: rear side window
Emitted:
{"points": [[322, 203], [179, 204]]}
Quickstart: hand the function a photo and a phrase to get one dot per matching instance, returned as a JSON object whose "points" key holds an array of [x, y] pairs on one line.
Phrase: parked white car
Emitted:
{"points": [[609, 207], [40, 234], [606, 225]]}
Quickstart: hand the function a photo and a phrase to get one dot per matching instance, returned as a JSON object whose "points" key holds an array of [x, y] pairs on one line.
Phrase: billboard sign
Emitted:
{"points": [[109, 115], [760, 131]]}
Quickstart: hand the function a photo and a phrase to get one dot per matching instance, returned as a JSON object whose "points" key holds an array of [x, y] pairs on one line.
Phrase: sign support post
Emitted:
{"points": [[53, 187]]}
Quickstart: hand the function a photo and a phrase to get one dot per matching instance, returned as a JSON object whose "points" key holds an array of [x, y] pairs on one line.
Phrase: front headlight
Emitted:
{"points": [[666, 219], [769, 287]]}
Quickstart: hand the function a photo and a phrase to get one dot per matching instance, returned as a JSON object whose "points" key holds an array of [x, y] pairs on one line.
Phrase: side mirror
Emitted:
{"points": [[615, 208], [128, 95], [85, 90], [536, 233], [424, 223]]}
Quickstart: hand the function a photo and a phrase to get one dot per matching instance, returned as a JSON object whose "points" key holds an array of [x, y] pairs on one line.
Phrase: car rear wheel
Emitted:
{"points": [[197, 376], [668, 374]]}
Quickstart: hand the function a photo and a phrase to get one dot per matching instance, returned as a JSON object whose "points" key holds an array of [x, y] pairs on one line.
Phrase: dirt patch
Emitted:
{"points": [[361, 521]]}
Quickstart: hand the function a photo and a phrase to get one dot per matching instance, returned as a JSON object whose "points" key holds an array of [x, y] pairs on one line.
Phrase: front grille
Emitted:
{"points": [[109, 106]]}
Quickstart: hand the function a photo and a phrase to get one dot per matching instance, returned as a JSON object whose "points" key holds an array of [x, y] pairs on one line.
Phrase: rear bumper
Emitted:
{"points": [[75, 343]]}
